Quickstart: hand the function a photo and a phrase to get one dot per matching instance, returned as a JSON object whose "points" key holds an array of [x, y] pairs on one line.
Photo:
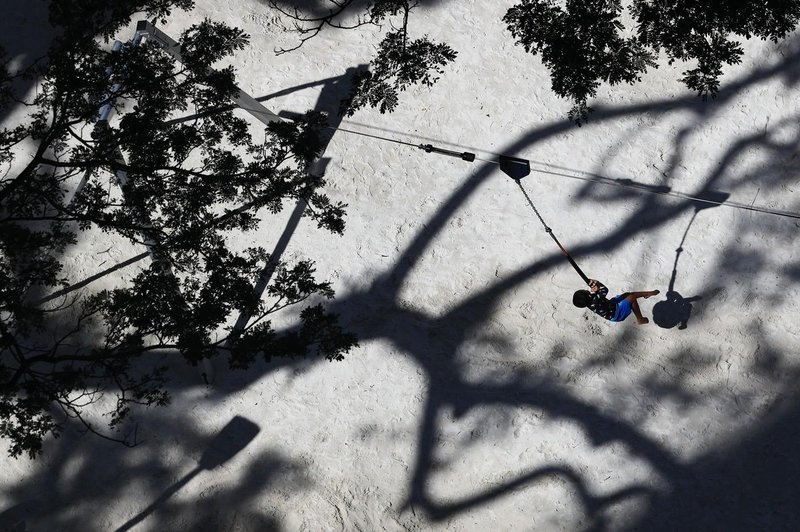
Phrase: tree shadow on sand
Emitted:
{"points": [[376, 313], [437, 354], [717, 489]]}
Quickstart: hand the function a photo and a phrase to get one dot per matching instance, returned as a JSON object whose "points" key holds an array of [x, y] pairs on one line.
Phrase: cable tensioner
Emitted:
{"points": [[464, 156]]}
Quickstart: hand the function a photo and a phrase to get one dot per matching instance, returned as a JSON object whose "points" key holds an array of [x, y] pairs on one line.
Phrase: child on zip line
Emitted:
{"points": [[615, 309]]}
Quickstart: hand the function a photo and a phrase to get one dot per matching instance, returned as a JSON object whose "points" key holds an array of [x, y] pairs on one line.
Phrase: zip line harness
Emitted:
{"points": [[516, 169]]}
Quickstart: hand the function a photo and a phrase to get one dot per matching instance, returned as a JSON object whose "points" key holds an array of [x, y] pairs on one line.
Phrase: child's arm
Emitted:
{"points": [[598, 288]]}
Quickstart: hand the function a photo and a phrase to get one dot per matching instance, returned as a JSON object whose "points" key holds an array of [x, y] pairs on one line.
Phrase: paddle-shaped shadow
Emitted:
{"points": [[233, 437]]}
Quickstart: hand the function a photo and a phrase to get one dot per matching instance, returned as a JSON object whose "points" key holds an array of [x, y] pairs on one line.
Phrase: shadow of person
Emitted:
{"points": [[675, 310]]}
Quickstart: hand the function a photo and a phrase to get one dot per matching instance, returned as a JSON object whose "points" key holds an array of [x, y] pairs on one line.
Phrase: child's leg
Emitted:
{"points": [[640, 320], [631, 298], [637, 295]]}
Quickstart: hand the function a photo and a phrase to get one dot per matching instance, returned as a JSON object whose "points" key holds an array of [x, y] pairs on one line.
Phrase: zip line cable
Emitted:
{"points": [[513, 167], [253, 106], [646, 189], [652, 190], [517, 168], [429, 148], [372, 136]]}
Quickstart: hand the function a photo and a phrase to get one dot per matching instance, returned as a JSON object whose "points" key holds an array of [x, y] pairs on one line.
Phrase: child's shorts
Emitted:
{"points": [[623, 308]]}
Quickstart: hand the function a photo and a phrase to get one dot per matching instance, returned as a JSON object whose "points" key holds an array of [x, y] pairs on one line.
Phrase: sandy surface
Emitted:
{"points": [[480, 398]]}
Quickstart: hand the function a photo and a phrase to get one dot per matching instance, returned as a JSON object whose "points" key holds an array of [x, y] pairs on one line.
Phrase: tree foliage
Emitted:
{"points": [[583, 43], [398, 65], [400, 62], [183, 187], [705, 32]]}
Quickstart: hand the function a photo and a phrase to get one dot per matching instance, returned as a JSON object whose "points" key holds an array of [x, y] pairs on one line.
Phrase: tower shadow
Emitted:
{"points": [[676, 309], [333, 90]]}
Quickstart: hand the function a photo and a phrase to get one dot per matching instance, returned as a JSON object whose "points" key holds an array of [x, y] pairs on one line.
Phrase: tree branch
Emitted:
{"points": [[318, 23]]}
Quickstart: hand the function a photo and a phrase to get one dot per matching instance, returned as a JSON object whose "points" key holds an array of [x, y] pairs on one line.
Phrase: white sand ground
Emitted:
{"points": [[480, 398]]}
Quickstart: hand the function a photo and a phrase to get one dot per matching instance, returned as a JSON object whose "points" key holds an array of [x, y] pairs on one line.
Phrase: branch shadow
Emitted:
{"points": [[433, 343], [438, 356], [749, 485]]}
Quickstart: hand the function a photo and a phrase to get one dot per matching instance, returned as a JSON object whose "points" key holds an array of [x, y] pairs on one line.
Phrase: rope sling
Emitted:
{"points": [[516, 169]]}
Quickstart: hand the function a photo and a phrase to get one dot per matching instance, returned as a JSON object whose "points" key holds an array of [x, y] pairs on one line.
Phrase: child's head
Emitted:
{"points": [[581, 298]]}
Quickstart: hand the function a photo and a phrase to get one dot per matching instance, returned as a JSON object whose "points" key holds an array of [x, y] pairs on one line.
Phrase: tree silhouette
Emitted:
{"points": [[400, 62], [582, 43], [182, 188]]}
